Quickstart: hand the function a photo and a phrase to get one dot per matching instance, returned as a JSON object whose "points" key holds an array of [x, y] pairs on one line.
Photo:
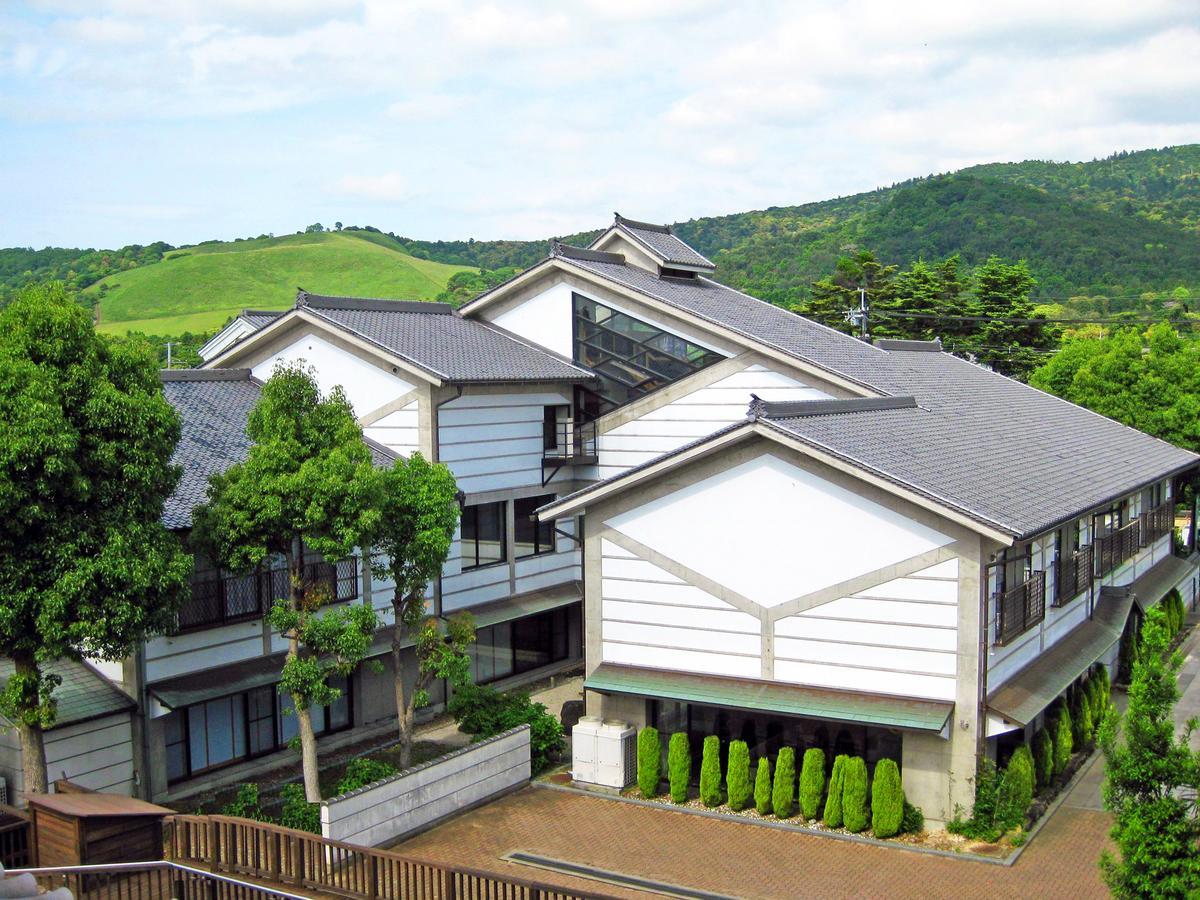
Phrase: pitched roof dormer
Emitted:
{"points": [[655, 248]]}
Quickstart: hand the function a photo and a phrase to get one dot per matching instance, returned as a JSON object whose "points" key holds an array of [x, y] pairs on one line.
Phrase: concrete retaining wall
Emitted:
{"points": [[416, 798]]}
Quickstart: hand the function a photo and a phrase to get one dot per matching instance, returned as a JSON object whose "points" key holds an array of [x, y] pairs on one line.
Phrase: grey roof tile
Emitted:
{"points": [[260, 318], [214, 406], [84, 693], [436, 338], [663, 243]]}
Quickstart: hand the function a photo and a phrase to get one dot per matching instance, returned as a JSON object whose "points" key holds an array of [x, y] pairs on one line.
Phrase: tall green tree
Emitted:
{"points": [[1013, 332], [307, 489], [1149, 773], [1149, 380], [925, 299], [419, 512], [86, 567], [837, 294]]}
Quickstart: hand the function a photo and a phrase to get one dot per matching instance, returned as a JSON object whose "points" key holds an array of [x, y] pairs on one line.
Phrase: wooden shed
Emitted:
{"points": [[86, 829]]}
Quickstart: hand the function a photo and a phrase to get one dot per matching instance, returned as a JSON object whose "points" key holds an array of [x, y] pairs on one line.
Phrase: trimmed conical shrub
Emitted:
{"points": [[1063, 744], [854, 795], [887, 799], [710, 772], [737, 779], [649, 761], [1043, 757], [1081, 719], [762, 786], [783, 794], [812, 782], [1015, 791], [679, 766], [833, 800]]}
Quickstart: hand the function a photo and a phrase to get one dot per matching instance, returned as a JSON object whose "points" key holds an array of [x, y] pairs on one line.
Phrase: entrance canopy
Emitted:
{"points": [[773, 697]]}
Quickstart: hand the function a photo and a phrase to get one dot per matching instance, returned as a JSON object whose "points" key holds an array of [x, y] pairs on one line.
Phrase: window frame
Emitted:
{"points": [[540, 529], [472, 512]]}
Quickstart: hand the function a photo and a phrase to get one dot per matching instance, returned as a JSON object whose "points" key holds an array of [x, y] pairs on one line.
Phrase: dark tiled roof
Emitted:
{"points": [[765, 323], [260, 318], [84, 693], [434, 337], [998, 450], [214, 406], [660, 241]]}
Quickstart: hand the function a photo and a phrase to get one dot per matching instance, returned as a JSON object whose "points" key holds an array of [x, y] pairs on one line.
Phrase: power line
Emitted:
{"points": [[898, 314]]}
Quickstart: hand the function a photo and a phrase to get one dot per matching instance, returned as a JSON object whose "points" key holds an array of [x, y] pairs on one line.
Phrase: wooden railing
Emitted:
{"points": [[1072, 575], [158, 880], [1020, 608], [1157, 522], [1113, 549], [309, 862], [14, 837]]}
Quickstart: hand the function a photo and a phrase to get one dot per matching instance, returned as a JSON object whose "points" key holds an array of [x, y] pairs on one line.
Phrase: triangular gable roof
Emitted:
{"points": [[659, 241]]}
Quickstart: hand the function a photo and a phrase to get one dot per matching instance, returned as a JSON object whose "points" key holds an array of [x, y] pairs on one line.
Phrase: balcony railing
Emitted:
{"points": [[1157, 522], [572, 441], [1118, 546], [237, 598], [1072, 575], [1020, 608]]}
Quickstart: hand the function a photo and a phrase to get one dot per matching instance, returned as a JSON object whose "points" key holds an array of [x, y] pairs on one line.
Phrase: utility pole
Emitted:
{"points": [[861, 315], [170, 344]]}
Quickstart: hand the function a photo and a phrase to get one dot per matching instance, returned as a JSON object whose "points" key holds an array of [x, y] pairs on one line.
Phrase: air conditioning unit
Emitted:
{"points": [[583, 749], [3, 790]]}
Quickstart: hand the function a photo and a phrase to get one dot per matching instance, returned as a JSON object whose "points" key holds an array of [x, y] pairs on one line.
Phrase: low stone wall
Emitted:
{"points": [[417, 798]]}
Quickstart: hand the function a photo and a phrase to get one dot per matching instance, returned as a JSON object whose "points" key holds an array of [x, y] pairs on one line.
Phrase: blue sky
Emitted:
{"points": [[182, 120]]}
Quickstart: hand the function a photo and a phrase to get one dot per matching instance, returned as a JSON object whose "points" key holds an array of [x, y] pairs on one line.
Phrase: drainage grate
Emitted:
{"points": [[615, 878]]}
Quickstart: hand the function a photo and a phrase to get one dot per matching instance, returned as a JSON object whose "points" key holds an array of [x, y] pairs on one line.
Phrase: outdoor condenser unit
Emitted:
{"points": [[604, 753], [3, 790]]}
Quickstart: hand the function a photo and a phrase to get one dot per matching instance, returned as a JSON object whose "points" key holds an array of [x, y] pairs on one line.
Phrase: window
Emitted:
{"points": [[631, 357], [531, 537], [229, 729], [555, 422], [523, 644], [483, 539]]}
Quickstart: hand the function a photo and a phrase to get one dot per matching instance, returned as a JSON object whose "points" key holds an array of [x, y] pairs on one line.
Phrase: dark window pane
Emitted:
{"points": [[482, 535], [339, 709], [175, 732], [532, 538], [261, 710]]}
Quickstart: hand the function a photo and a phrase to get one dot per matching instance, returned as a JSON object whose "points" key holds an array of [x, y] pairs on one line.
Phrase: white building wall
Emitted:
{"points": [[694, 415], [544, 319], [399, 431], [97, 754], [203, 648]]}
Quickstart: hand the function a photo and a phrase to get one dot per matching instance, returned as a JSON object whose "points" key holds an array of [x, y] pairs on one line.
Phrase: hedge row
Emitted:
{"points": [[848, 799]]}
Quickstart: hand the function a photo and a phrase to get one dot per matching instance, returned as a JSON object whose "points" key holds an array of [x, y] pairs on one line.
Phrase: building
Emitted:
{"points": [[741, 522]]}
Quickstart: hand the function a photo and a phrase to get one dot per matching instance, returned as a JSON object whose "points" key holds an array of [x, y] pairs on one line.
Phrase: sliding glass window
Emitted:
{"points": [[483, 538], [532, 538]]}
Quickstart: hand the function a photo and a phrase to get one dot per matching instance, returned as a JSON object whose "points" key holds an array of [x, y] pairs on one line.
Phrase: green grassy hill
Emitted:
{"points": [[198, 288]]}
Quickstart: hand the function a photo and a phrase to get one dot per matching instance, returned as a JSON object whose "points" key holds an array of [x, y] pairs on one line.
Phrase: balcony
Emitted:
{"points": [[1020, 608], [1072, 575], [1117, 547], [226, 599], [570, 443], [1157, 522]]}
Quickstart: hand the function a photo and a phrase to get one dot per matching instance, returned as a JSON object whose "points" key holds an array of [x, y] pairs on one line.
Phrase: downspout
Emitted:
{"points": [[981, 708]]}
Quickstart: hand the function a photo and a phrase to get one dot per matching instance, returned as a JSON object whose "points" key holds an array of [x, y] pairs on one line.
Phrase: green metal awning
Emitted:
{"points": [[208, 684], [528, 604], [773, 697], [1152, 586]]}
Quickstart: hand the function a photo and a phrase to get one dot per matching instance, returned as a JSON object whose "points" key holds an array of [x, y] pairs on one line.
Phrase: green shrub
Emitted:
{"points": [[1081, 721], [1043, 757], [1063, 746], [812, 782], [297, 812], [913, 819], [710, 772], [1087, 726], [833, 800], [737, 779], [1015, 791], [983, 812], [1128, 653], [649, 762], [363, 771], [783, 794], [679, 766], [854, 795], [245, 804], [484, 712], [1095, 700], [762, 786], [887, 799]]}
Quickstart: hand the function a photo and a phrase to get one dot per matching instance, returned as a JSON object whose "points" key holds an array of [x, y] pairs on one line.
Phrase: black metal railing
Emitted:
{"points": [[237, 598], [1020, 608], [1072, 575], [1114, 548], [1157, 522], [572, 440]]}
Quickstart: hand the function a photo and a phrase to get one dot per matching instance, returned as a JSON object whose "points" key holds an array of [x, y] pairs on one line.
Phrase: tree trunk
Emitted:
{"points": [[404, 697], [308, 754], [33, 750]]}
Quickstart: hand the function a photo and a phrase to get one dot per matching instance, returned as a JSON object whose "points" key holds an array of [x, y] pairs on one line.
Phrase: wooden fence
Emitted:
{"points": [[151, 881], [14, 837], [308, 862]]}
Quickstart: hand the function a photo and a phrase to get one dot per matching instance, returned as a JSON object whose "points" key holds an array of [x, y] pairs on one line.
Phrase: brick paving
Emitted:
{"points": [[752, 861]]}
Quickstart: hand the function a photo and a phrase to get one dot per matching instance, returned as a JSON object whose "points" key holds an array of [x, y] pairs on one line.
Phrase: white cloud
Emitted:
{"points": [[390, 187]]}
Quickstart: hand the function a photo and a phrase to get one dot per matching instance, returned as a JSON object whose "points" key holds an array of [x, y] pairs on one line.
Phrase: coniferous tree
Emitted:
{"points": [[737, 779], [762, 786]]}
